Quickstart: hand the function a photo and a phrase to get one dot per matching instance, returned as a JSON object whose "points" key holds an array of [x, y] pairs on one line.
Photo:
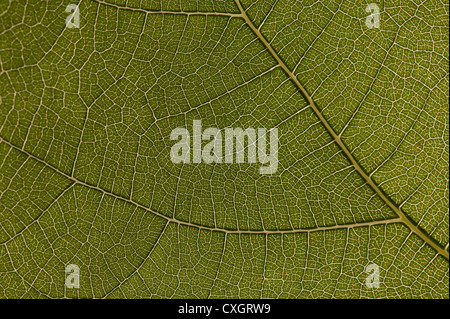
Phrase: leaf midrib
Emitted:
{"points": [[402, 216]]}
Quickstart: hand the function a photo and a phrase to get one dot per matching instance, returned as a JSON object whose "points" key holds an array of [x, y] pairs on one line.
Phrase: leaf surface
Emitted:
{"points": [[86, 178]]}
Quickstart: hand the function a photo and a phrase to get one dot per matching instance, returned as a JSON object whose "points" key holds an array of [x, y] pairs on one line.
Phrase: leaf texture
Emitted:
{"points": [[85, 174]]}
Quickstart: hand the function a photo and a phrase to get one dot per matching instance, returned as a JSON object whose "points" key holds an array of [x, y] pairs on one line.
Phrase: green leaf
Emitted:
{"points": [[86, 178]]}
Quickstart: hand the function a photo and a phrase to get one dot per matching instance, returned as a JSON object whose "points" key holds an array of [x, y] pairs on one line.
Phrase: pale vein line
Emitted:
{"points": [[40, 215], [317, 37], [189, 13], [141, 264], [268, 14], [211, 100], [218, 266], [184, 223], [374, 80], [405, 136]]}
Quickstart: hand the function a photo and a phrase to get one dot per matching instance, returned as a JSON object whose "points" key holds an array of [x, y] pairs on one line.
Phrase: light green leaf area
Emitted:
{"points": [[86, 177]]}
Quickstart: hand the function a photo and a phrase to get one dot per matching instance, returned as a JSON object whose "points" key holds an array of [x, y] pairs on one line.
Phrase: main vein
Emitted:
{"points": [[403, 218], [185, 223]]}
